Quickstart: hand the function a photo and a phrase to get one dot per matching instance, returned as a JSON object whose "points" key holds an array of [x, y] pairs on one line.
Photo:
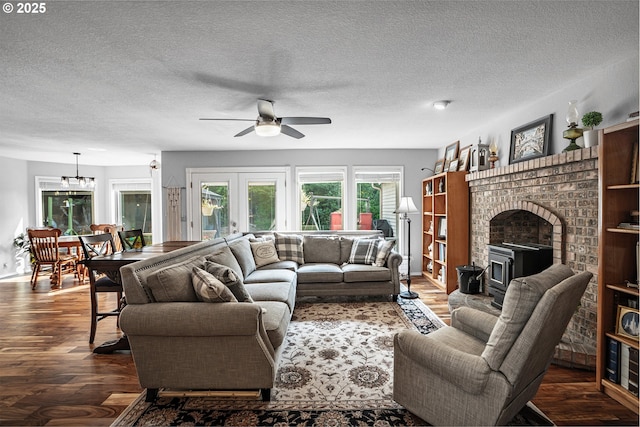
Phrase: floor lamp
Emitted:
{"points": [[405, 208]]}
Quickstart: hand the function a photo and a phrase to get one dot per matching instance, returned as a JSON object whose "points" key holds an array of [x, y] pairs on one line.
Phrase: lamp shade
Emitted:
{"points": [[406, 206]]}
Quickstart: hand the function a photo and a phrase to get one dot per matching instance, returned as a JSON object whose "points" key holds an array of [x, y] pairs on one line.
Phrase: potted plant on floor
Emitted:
{"points": [[590, 135], [22, 245]]}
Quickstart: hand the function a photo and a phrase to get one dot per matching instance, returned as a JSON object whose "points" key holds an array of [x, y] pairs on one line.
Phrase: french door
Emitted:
{"points": [[226, 202]]}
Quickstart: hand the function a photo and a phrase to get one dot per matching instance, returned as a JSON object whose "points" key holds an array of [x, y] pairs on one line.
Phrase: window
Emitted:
{"points": [[132, 205], [70, 209], [322, 198], [377, 192]]}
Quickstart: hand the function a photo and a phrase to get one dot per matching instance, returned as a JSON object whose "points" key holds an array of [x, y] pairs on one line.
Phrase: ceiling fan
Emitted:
{"points": [[267, 124]]}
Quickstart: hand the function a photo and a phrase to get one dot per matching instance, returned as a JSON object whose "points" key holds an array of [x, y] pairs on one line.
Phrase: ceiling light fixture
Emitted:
{"points": [[83, 181], [267, 128], [441, 105]]}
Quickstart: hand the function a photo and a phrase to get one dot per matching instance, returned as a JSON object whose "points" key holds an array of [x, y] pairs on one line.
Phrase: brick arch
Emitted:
{"points": [[557, 240]]}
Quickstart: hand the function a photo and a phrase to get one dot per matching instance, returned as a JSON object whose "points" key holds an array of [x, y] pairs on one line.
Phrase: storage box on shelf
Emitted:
{"points": [[618, 270], [445, 228]]}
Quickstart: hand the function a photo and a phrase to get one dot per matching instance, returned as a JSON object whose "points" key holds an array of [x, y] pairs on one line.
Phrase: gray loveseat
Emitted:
{"points": [[180, 342]]}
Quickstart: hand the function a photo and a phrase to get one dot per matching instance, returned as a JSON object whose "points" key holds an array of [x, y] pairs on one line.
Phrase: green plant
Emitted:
{"points": [[592, 119]]}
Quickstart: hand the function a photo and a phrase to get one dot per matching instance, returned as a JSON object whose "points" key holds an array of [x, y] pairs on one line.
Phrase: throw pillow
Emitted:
{"points": [[264, 252], [289, 247], [231, 280], [364, 251], [210, 289], [384, 249], [242, 251], [173, 283], [225, 257], [321, 249]]}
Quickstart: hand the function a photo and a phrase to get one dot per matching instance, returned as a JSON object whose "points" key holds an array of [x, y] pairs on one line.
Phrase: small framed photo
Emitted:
{"points": [[439, 167], [531, 141], [453, 165], [442, 228], [463, 158], [451, 152], [627, 322]]}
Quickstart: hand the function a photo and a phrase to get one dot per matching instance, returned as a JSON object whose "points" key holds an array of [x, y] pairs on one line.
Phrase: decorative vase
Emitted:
{"points": [[590, 138]]}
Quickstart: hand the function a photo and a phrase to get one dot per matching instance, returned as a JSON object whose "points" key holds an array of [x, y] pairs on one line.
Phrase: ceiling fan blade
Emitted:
{"points": [[235, 120], [291, 132], [305, 120], [246, 131], [265, 109]]}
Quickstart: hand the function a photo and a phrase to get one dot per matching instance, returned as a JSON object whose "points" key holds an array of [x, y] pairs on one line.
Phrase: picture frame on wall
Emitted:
{"points": [[439, 167], [463, 158], [531, 141], [627, 323]]}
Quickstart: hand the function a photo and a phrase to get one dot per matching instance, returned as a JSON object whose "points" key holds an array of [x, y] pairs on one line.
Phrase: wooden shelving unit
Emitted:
{"points": [[445, 200], [618, 262]]}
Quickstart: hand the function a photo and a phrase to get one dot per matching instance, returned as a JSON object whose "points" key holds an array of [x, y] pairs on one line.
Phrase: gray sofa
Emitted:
{"points": [[180, 342]]}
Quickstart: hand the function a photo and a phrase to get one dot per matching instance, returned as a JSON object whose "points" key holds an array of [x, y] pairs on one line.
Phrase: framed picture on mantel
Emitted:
{"points": [[531, 141]]}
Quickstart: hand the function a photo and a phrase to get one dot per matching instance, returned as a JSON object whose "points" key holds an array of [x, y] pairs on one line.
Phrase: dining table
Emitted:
{"points": [[109, 265]]}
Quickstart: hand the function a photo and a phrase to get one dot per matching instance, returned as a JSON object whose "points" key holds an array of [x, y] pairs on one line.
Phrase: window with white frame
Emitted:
{"points": [[131, 205], [377, 193], [71, 209], [322, 198]]}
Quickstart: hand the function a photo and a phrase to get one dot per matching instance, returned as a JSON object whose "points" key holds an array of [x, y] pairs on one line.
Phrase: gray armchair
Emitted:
{"points": [[482, 370]]}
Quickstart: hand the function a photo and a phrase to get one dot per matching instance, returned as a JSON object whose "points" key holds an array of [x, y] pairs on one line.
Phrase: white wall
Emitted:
{"points": [[611, 90], [14, 210]]}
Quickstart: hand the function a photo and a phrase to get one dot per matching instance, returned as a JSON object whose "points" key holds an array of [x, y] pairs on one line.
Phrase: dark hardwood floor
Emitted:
{"points": [[50, 376]]}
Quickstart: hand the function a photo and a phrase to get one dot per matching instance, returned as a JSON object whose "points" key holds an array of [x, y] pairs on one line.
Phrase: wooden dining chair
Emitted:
{"points": [[132, 239], [46, 252], [92, 246]]}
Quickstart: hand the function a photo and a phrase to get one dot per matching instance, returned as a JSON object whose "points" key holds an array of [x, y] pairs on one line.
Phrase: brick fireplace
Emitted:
{"points": [[552, 201]]}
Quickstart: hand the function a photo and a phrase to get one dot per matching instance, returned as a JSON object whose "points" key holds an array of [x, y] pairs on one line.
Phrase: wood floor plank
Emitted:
{"points": [[50, 376]]}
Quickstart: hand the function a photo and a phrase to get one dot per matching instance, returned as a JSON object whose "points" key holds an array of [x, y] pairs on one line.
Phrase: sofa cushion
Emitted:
{"points": [[173, 283], [271, 275], [273, 291], [520, 300], [281, 265], [225, 257], [289, 247], [208, 288], [264, 253], [384, 249], [276, 318], [241, 249], [324, 249], [365, 273], [230, 278], [319, 273], [364, 251]]}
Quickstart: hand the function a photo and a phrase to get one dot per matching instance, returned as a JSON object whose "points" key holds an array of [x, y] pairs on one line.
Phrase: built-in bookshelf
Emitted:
{"points": [[445, 228], [618, 267]]}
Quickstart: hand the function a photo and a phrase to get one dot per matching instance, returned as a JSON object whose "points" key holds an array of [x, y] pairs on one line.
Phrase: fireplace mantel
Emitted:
{"points": [[539, 163]]}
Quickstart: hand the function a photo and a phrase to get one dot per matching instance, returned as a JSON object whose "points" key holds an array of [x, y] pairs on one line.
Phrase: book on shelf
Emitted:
{"points": [[624, 365], [613, 360], [633, 370], [629, 226]]}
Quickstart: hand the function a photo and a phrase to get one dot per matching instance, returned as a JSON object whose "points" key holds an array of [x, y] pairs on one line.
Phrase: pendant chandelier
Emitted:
{"points": [[83, 181]]}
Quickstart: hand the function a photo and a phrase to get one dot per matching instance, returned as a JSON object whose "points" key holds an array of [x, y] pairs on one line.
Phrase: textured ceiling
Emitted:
{"points": [[134, 77]]}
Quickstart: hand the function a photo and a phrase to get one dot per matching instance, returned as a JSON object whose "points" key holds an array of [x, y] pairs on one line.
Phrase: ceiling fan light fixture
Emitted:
{"points": [[267, 128], [441, 105]]}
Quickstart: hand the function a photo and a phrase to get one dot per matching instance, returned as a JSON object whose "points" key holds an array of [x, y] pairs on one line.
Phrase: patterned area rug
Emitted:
{"points": [[336, 369]]}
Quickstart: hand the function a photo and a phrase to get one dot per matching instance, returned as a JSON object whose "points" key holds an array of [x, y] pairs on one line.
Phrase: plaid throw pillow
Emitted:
{"points": [[289, 247], [210, 289], [364, 251], [384, 249]]}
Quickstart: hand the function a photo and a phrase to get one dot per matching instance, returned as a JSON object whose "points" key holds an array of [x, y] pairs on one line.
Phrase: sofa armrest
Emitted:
{"points": [[466, 371], [473, 322], [196, 319]]}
